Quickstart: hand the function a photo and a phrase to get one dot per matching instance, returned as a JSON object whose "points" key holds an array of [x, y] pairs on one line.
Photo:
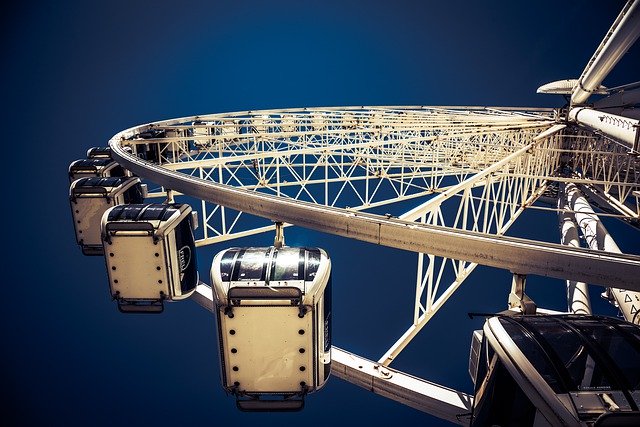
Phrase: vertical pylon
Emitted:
{"points": [[578, 301], [597, 237]]}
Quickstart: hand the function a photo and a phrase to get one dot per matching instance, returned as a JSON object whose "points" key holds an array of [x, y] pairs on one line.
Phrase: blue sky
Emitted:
{"points": [[75, 73]]}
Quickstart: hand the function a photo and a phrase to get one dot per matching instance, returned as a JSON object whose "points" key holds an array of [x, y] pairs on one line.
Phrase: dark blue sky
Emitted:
{"points": [[75, 73]]}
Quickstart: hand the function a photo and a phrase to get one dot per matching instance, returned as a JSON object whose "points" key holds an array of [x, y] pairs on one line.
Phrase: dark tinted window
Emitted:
{"points": [[126, 212], [533, 352], [287, 264], [157, 212], [483, 363], [91, 163], [577, 356], [117, 171], [226, 264], [634, 330], [502, 402], [187, 261], [133, 194], [252, 265], [584, 369], [101, 181], [327, 315], [617, 346], [327, 325], [152, 133], [99, 151], [313, 262], [142, 212]]}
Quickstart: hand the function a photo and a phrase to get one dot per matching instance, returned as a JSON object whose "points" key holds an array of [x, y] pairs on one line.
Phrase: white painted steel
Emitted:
{"points": [[434, 399], [442, 402], [597, 237], [262, 351], [619, 128], [87, 208], [156, 272], [578, 301], [469, 172], [267, 343], [525, 257], [620, 37], [605, 166], [565, 87], [487, 165], [428, 301]]}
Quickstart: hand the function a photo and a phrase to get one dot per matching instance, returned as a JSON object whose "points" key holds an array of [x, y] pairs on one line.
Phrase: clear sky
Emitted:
{"points": [[74, 73]]}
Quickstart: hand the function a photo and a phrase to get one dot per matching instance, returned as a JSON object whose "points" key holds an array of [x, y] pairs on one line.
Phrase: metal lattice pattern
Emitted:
{"points": [[361, 159], [465, 169], [607, 168]]}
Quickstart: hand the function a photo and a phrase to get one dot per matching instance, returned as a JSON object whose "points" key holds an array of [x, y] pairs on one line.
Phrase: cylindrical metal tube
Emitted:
{"points": [[622, 129], [597, 237], [620, 37], [578, 301]]}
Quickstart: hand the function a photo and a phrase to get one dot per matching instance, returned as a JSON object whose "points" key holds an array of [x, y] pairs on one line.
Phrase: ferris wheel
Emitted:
{"points": [[446, 183]]}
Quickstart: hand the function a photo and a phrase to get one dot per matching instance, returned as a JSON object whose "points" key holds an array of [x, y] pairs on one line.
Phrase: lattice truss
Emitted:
{"points": [[606, 170], [470, 169]]}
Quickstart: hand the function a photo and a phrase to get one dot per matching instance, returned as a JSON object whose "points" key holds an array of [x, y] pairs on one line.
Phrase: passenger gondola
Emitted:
{"points": [[150, 254], [91, 197], [274, 324], [556, 370], [163, 145], [102, 152], [99, 153], [95, 167]]}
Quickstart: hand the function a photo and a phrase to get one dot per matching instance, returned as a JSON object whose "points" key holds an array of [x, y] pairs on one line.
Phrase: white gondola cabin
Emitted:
{"points": [[91, 197], [150, 254], [556, 370], [94, 167], [274, 324], [99, 153], [102, 152], [162, 145]]}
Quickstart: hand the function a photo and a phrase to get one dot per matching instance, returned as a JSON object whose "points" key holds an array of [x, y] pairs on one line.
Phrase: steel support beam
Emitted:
{"points": [[517, 255], [621, 129], [442, 402], [425, 396], [597, 237], [620, 37], [578, 301]]}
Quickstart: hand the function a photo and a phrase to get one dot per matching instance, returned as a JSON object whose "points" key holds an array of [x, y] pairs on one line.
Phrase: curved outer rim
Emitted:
{"points": [[517, 255]]}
